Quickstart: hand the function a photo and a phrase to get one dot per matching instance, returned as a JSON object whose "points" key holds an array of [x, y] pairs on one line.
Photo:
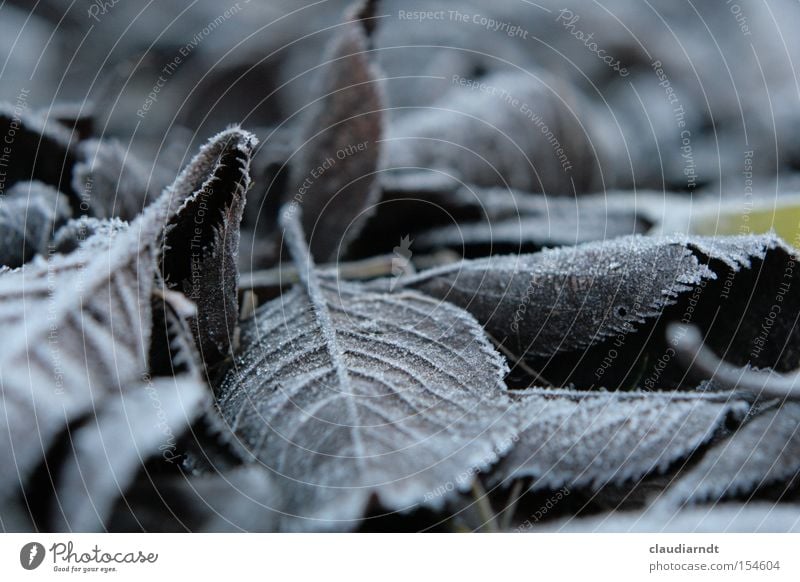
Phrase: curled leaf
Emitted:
{"points": [[201, 237], [335, 176], [57, 368], [81, 327]]}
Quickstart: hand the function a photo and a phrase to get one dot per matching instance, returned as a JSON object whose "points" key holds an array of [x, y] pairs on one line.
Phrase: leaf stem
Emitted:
{"points": [[510, 510], [484, 507], [361, 270], [286, 275], [306, 269]]}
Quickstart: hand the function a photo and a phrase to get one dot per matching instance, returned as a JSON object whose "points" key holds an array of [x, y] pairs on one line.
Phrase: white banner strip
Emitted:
{"points": [[381, 557]]}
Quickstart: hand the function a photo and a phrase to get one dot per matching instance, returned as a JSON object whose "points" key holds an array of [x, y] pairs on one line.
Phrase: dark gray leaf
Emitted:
{"points": [[346, 394], [592, 439], [615, 297], [201, 238], [29, 215], [437, 211], [763, 452], [565, 299], [75, 328], [395, 396], [173, 351], [335, 177]]}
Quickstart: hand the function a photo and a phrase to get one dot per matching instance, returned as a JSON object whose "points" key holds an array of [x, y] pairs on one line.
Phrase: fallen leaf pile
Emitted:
{"points": [[431, 272]]}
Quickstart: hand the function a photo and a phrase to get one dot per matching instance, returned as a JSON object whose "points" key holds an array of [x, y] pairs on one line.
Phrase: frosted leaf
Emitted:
{"points": [[335, 176], [76, 327], [438, 211], [567, 311], [201, 237], [29, 214], [173, 351], [80, 325], [765, 451], [564, 299], [345, 394], [86, 231], [108, 449], [397, 398], [592, 439]]}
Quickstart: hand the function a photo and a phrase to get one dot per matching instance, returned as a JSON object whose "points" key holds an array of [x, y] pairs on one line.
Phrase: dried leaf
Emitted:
{"points": [[396, 398], [568, 295], [173, 351], [76, 326], [438, 211], [335, 177], [593, 439], [201, 238], [524, 223], [521, 131], [549, 308], [345, 394]]}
